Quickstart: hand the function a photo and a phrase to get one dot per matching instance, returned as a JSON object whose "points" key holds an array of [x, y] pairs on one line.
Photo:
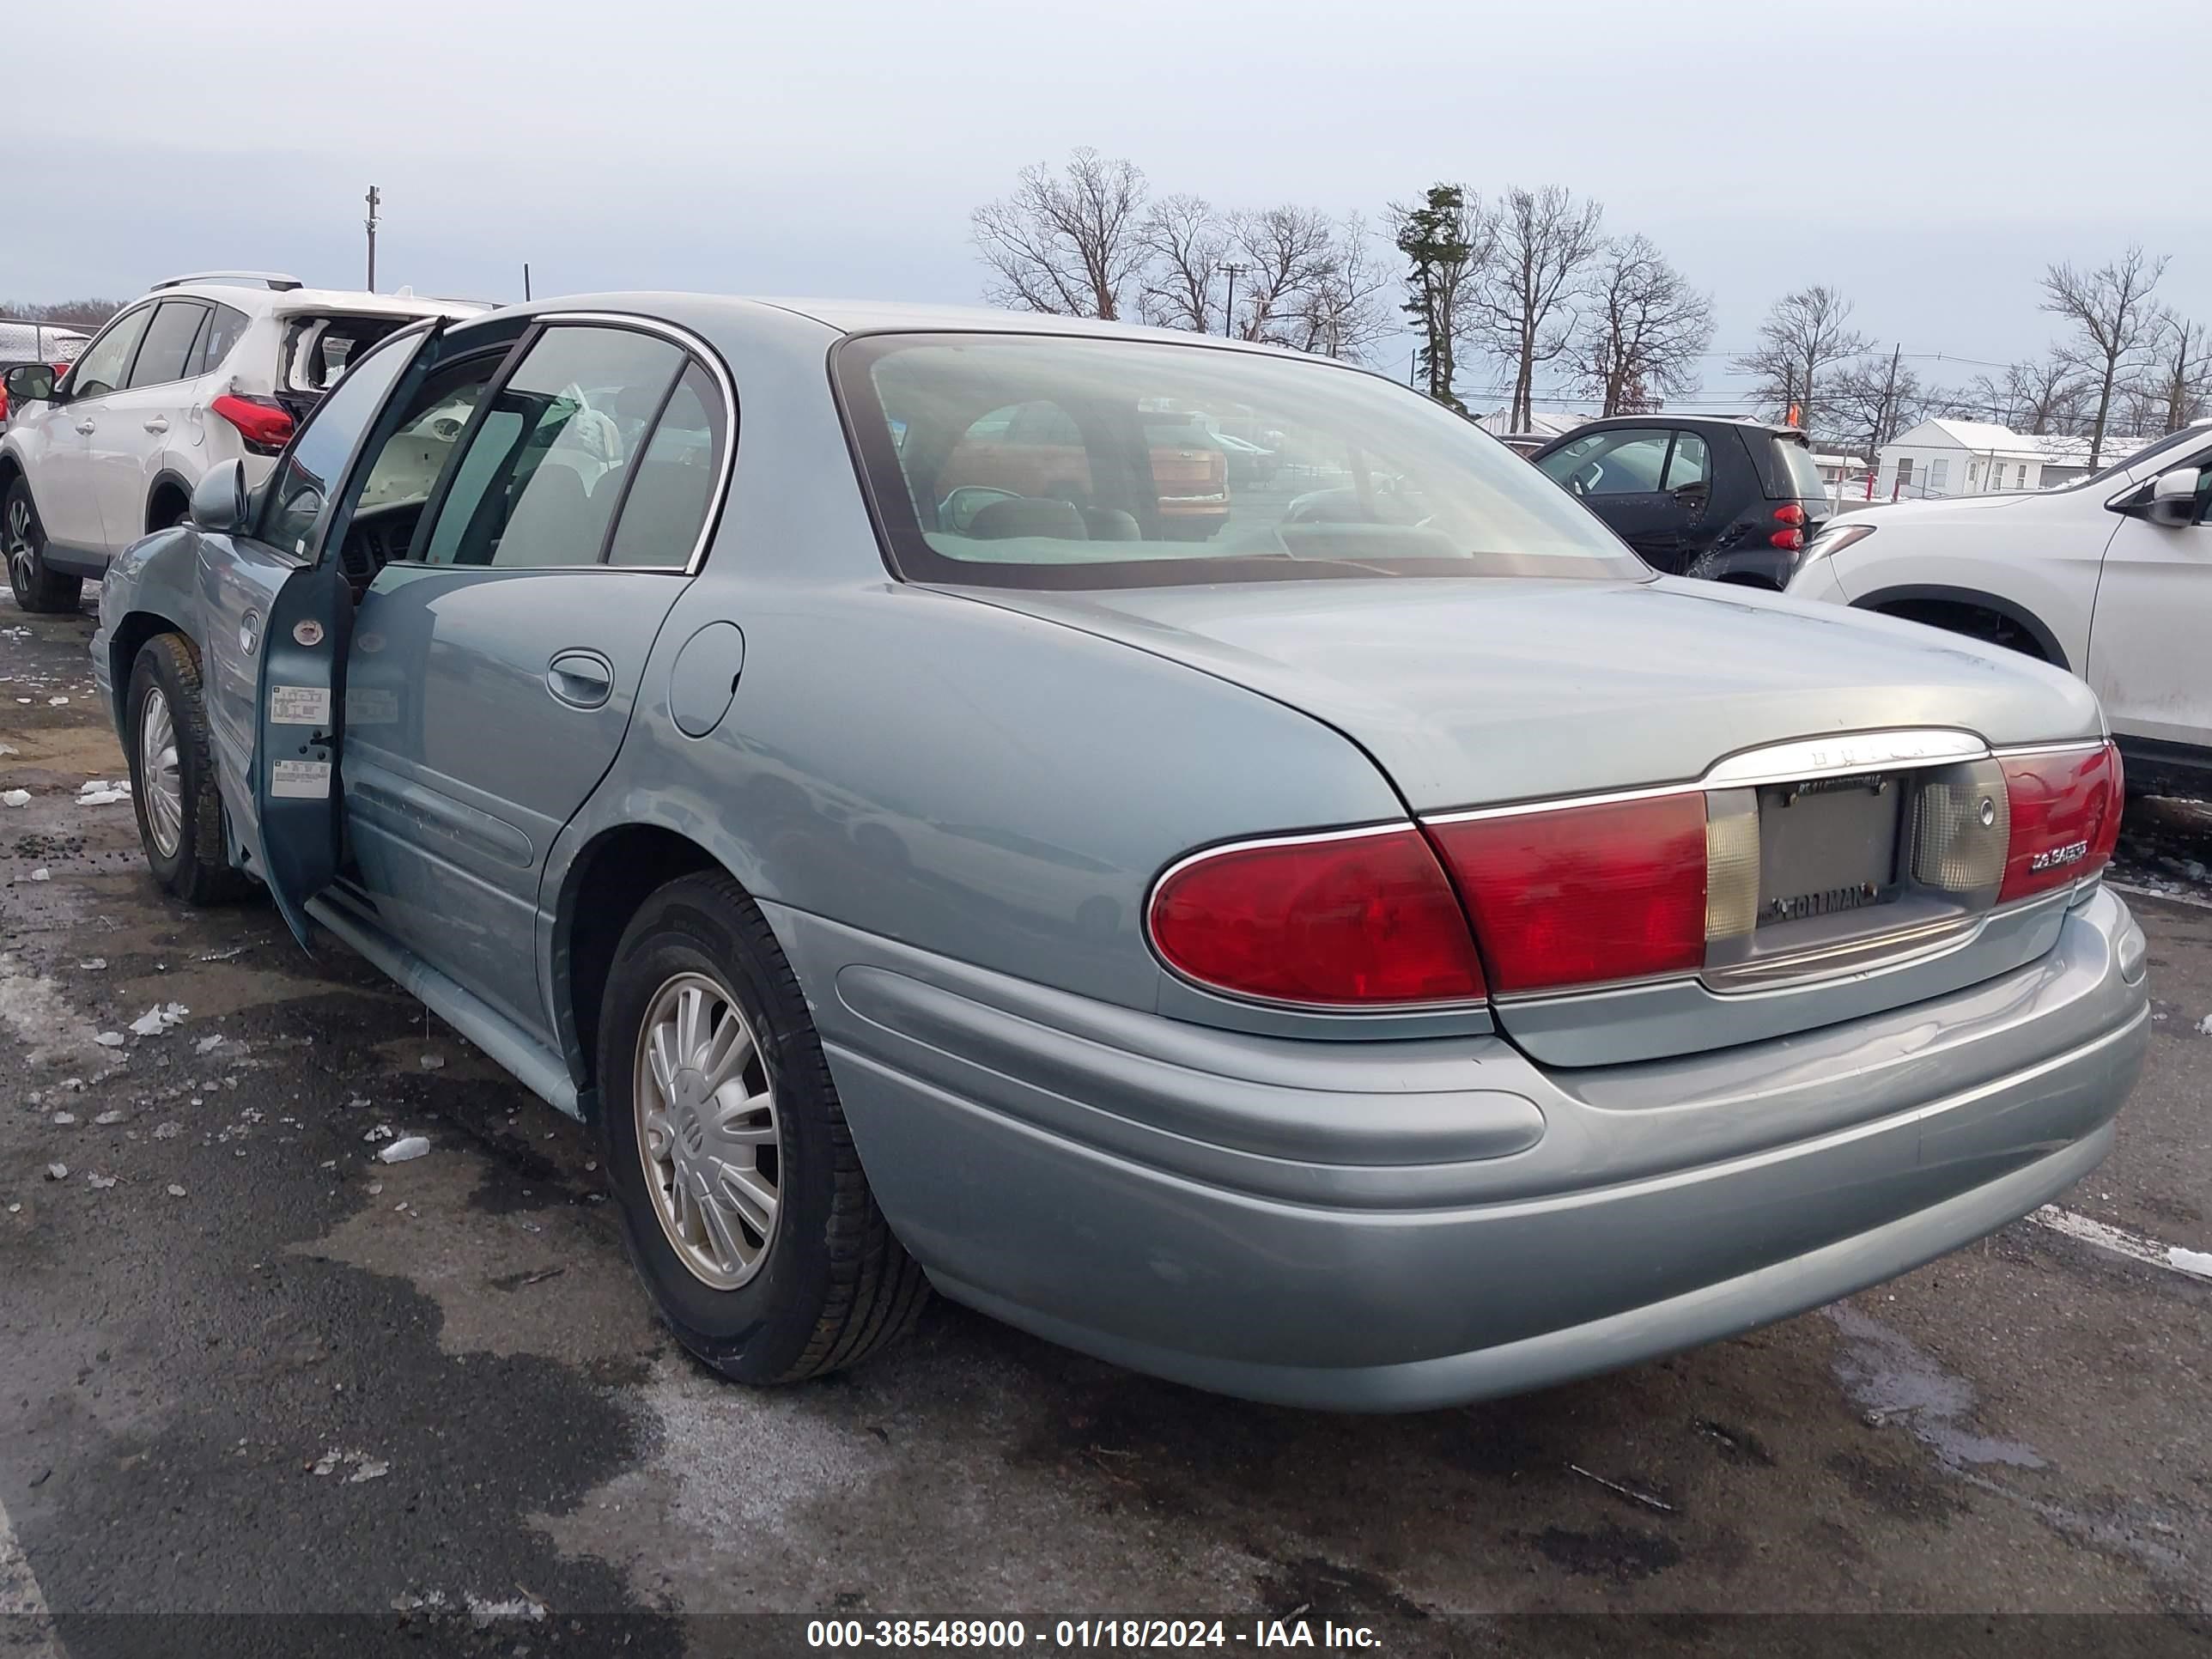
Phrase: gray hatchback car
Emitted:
{"points": [[942, 834]]}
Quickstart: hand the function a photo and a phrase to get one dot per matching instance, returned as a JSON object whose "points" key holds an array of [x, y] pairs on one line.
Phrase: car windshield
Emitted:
{"points": [[1043, 461], [2171, 448]]}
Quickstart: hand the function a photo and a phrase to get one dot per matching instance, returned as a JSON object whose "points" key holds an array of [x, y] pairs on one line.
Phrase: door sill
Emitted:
{"points": [[533, 1065]]}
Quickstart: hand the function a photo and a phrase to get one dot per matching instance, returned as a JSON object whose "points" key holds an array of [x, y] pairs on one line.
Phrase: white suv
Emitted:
{"points": [[205, 369], [2110, 578]]}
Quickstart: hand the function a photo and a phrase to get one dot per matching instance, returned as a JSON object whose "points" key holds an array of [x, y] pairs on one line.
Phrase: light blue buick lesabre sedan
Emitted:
{"points": [[1354, 937]]}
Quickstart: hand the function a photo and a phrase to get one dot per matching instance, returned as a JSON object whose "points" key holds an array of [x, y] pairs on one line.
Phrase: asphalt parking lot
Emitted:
{"points": [[245, 1367]]}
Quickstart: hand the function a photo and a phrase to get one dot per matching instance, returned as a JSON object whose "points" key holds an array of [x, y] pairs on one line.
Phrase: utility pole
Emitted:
{"points": [[525, 282], [1233, 271], [375, 199]]}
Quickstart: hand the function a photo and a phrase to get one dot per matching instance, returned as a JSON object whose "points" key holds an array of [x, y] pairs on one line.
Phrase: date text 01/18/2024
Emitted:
{"points": [[1087, 1633]]}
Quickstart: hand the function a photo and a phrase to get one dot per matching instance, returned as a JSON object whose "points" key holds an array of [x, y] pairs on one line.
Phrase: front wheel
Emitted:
{"points": [[172, 782], [36, 587], [742, 1203]]}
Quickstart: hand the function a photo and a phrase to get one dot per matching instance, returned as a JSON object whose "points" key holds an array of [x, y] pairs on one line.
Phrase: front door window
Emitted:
{"points": [[311, 468]]}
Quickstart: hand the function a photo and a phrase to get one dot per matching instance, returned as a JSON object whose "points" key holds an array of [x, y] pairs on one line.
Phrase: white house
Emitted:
{"points": [[1978, 457]]}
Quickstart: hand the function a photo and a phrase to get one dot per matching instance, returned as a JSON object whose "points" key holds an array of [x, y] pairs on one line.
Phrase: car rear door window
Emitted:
{"points": [[542, 476], [674, 484], [170, 343], [226, 324], [1691, 463], [106, 361]]}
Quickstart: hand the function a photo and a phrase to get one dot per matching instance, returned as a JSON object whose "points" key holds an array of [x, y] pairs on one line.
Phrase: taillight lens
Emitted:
{"points": [[2065, 818], [264, 423], [1579, 895], [1347, 920], [3, 406], [1789, 540], [1789, 513]]}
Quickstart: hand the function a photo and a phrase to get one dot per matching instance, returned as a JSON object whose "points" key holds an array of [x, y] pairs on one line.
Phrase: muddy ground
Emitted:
{"points": [[248, 1369]]}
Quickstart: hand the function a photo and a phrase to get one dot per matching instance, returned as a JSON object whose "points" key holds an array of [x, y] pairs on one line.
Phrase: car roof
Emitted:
{"points": [[288, 301], [713, 313], [1663, 417]]}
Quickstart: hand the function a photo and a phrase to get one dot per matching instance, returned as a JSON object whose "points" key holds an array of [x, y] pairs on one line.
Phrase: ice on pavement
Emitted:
{"points": [[42, 874], [208, 1045], [160, 1018], [17, 797], [109, 1039], [97, 794], [406, 1147], [2189, 1262]]}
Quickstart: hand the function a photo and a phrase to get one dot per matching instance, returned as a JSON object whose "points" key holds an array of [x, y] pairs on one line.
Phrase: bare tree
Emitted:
{"points": [[1872, 401], [1285, 254], [1644, 328], [1806, 336], [2178, 382], [2110, 310], [1344, 314], [2037, 394], [1182, 278], [1069, 243], [1523, 310], [1445, 238]]}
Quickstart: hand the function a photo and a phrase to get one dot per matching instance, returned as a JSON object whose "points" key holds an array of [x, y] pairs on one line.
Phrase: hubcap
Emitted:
{"points": [[707, 1131], [160, 785], [20, 554]]}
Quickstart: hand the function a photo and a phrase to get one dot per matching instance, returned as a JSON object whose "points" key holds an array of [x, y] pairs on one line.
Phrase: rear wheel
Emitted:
{"points": [[36, 587], [172, 782], [743, 1202]]}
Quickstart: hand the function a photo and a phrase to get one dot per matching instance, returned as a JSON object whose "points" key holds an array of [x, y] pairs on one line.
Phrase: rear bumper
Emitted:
{"points": [[1402, 1224]]}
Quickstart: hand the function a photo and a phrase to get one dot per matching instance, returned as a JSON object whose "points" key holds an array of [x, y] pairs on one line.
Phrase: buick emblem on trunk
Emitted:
{"points": [[1823, 903]]}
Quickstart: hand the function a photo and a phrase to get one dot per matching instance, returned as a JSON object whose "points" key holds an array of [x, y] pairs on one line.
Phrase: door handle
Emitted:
{"points": [[86, 428], [158, 423], [582, 680]]}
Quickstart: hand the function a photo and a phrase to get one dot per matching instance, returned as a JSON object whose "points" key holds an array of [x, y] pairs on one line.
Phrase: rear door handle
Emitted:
{"points": [[158, 423], [582, 680]]}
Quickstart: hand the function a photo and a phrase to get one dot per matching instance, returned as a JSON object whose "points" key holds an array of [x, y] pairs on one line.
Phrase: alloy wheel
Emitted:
{"points": [[23, 557], [707, 1130], [158, 775]]}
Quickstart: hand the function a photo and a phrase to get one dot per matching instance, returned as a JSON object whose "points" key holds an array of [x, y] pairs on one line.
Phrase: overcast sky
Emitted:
{"points": [[1928, 159]]}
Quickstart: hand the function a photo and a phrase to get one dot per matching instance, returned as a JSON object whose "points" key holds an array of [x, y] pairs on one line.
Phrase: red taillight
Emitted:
{"points": [[1789, 539], [2065, 818], [1342, 921], [1789, 513], [3, 406], [1578, 895], [264, 423]]}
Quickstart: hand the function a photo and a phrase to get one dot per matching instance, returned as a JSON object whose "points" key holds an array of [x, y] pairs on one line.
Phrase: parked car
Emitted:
{"points": [[1335, 962], [1728, 500], [27, 344], [2109, 578], [203, 370]]}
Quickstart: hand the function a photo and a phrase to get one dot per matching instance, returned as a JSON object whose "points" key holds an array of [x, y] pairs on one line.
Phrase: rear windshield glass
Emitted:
{"points": [[1800, 476], [1041, 461], [318, 349]]}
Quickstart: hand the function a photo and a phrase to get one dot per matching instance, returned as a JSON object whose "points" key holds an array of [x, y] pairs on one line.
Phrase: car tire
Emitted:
{"points": [[173, 779], [36, 587], [826, 1284]]}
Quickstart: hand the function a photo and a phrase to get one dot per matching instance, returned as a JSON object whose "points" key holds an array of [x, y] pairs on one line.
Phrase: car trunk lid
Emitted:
{"points": [[1477, 695]]}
